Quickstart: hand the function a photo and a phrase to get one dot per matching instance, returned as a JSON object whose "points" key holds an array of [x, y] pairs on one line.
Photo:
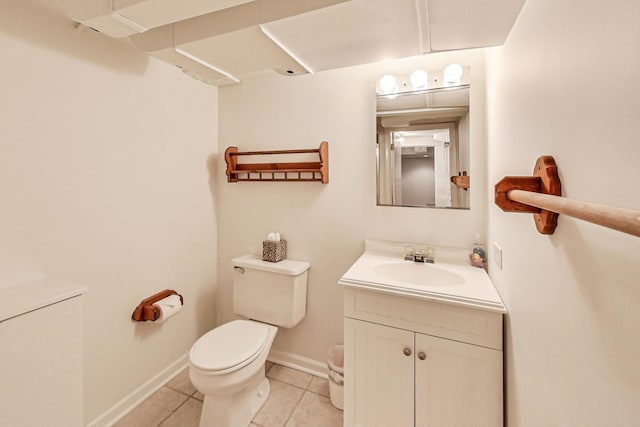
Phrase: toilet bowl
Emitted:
{"points": [[227, 366], [227, 363]]}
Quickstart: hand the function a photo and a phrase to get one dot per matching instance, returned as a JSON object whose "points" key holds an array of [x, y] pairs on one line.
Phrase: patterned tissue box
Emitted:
{"points": [[274, 250]]}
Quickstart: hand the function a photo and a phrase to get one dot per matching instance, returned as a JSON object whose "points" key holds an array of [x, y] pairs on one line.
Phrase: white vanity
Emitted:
{"points": [[423, 342]]}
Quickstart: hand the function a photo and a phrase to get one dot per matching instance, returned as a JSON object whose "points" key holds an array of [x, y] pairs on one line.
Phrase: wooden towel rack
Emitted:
{"points": [[540, 194], [283, 171]]}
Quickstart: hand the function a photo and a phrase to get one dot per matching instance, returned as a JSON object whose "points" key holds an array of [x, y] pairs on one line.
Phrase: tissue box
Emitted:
{"points": [[274, 250]]}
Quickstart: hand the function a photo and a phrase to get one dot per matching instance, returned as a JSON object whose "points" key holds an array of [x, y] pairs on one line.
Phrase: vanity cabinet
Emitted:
{"points": [[412, 362], [41, 356]]}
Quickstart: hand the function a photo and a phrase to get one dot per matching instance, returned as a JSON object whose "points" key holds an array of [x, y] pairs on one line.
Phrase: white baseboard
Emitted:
{"points": [[298, 362], [122, 408], [126, 405]]}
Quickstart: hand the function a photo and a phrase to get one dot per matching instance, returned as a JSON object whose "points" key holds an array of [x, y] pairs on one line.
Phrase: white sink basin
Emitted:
{"points": [[413, 273], [451, 279]]}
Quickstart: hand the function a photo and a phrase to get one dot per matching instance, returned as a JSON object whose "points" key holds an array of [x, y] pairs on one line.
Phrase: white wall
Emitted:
{"points": [[566, 84], [104, 181], [327, 224]]}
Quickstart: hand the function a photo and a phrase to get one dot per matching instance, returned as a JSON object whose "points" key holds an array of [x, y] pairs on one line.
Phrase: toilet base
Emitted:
{"points": [[237, 409]]}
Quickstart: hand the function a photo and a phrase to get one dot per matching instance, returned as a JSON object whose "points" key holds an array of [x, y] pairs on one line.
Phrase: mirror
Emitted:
{"points": [[423, 148]]}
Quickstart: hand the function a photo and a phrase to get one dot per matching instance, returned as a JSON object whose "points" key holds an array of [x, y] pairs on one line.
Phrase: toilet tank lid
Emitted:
{"points": [[286, 266]]}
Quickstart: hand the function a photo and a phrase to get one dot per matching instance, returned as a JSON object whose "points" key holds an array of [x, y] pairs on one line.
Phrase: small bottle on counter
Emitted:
{"points": [[478, 254]]}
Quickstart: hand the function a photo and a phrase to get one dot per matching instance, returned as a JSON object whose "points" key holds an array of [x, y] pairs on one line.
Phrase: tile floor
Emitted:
{"points": [[297, 399]]}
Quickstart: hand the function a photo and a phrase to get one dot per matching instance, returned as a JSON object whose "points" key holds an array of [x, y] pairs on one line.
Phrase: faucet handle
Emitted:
{"points": [[408, 253], [429, 255]]}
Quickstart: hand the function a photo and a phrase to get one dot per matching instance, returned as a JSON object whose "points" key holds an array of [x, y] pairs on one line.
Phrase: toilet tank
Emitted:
{"points": [[270, 292]]}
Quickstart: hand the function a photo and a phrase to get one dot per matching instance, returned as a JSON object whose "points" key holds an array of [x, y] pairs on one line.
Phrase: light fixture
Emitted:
{"points": [[453, 74], [388, 85], [419, 80]]}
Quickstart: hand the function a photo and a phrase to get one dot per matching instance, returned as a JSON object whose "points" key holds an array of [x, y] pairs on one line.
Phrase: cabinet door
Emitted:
{"points": [[457, 384], [41, 367], [379, 381]]}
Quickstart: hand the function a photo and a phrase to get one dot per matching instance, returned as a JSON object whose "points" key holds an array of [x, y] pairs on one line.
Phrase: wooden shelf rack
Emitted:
{"points": [[281, 171]]}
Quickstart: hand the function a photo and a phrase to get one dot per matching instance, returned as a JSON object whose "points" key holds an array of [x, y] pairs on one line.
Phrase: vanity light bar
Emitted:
{"points": [[419, 79]]}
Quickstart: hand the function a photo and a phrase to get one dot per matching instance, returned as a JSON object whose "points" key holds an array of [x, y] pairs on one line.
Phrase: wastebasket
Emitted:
{"points": [[335, 363]]}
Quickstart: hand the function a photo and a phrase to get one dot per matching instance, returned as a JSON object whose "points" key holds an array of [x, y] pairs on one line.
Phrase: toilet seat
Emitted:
{"points": [[229, 347]]}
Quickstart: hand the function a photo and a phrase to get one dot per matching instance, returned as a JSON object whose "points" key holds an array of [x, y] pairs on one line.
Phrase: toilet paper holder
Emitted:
{"points": [[146, 310]]}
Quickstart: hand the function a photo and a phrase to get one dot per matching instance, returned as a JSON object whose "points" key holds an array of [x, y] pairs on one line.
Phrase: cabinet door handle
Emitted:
{"points": [[407, 351], [422, 355]]}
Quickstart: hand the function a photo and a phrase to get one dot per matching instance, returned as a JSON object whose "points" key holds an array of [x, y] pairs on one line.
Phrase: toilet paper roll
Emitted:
{"points": [[168, 307]]}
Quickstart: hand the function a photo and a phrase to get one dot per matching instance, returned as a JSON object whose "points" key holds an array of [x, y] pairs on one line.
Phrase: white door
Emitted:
{"points": [[379, 380], [457, 384]]}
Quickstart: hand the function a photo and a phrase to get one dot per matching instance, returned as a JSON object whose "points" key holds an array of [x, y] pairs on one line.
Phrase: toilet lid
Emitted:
{"points": [[229, 345]]}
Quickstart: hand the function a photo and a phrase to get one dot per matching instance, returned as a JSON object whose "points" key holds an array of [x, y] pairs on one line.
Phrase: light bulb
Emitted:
{"points": [[388, 84], [419, 80], [453, 74]]}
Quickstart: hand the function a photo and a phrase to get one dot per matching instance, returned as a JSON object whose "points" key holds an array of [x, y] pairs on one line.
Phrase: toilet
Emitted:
{"points": [[227, 363]]}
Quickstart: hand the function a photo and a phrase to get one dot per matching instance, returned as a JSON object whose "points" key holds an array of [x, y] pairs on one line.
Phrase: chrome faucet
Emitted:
{"points": [[419, 255]]}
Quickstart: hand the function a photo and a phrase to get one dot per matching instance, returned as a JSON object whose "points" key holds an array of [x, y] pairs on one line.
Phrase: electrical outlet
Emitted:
{"points": [[497, 255]]}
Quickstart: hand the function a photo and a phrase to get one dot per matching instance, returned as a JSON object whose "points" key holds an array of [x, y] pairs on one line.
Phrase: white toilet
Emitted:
{"points": [[227, 363]]}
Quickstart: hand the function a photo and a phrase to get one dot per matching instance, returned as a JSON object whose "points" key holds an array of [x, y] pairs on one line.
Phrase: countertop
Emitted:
{"points": [[465, 285], [25, 291]]}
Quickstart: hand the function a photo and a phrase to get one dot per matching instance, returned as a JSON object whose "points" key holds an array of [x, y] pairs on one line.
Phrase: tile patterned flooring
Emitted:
{"points": [[297, 399]]}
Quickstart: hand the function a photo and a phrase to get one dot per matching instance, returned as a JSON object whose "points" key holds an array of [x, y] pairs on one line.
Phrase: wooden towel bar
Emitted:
{"points": [[540, 194]]}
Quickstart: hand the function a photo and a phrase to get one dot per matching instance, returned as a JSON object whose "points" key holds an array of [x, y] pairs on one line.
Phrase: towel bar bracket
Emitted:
{"points": [[545, 180]]}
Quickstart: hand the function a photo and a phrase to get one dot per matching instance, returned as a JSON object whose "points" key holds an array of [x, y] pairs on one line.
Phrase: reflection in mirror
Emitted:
{"points": [[423, 148]]}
